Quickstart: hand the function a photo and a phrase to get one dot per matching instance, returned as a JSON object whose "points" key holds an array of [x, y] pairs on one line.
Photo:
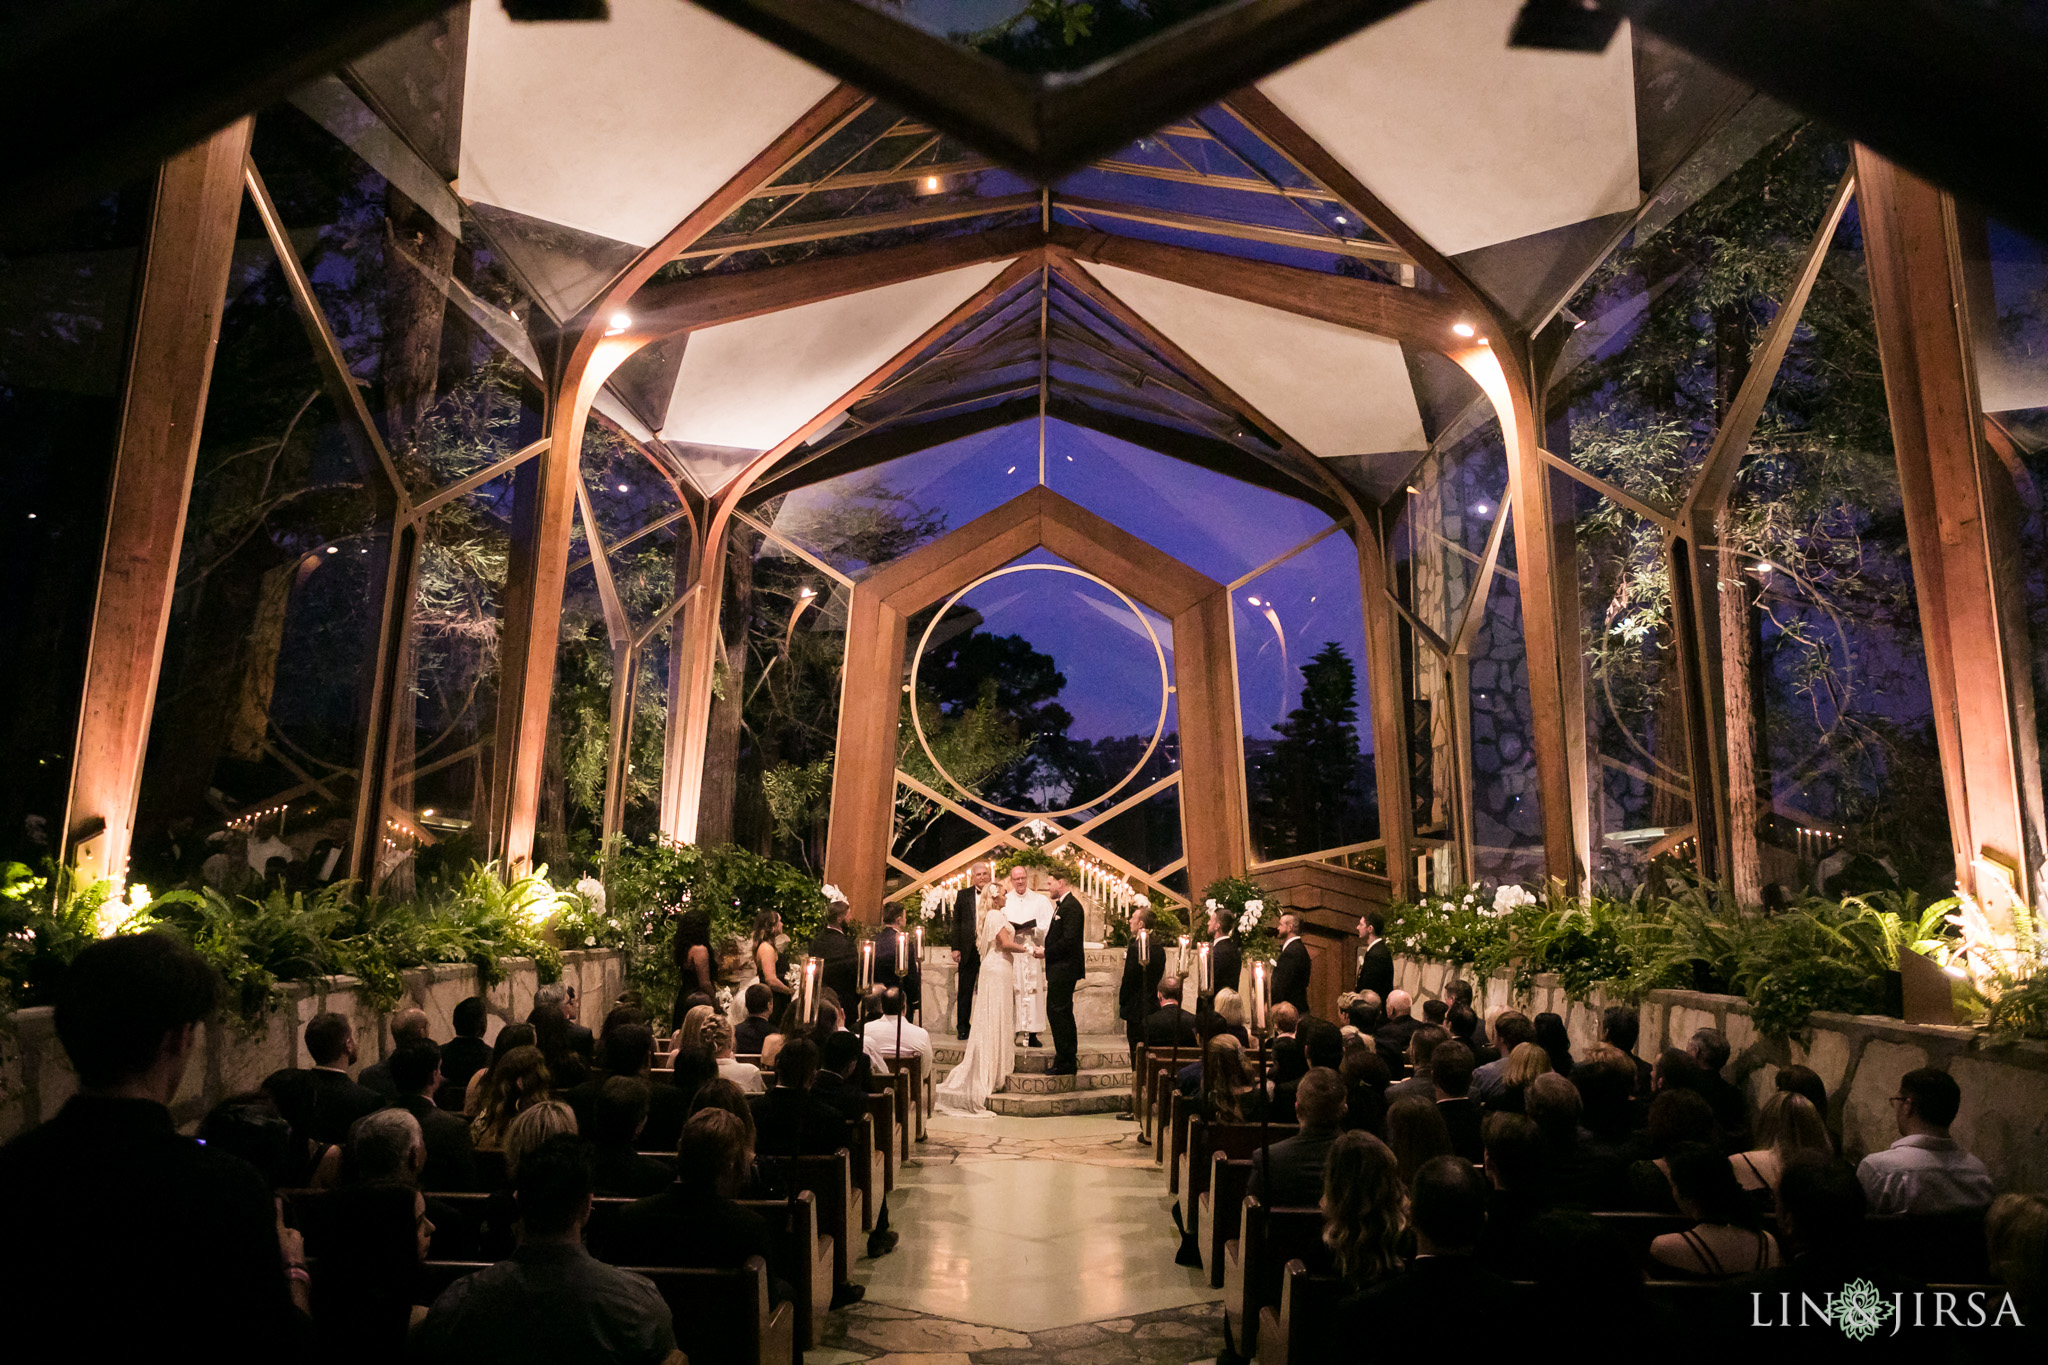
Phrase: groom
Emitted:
{"points": [[1066, 962]]}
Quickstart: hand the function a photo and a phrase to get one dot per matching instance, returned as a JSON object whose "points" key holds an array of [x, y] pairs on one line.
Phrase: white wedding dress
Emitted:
{"points": [[992, 1029]]}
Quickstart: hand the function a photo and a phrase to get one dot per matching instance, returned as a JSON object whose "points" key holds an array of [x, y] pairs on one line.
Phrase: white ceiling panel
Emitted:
{"points": [[753, 383], [1335, 390], [1469, 141], [620, 128]]}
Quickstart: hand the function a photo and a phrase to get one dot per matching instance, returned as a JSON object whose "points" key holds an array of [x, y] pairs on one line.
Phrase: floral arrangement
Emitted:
{"points": [[1243, 904]]}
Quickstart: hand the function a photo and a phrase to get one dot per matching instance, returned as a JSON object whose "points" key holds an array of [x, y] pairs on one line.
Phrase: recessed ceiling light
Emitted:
{"points": [[931, 182], [1463, 329]]}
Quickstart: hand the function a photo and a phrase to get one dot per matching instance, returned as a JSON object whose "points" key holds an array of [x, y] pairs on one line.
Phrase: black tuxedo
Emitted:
{"points": [[1167, 1026], [750, 1034], [1226, 963], [451, 1161], [1376, 971], [1290, 976], [885, 966], [841, 970], [966, 905], [461, 1058], [319, 1104], [1138, 992], [1066, 962], [787, 1120]]}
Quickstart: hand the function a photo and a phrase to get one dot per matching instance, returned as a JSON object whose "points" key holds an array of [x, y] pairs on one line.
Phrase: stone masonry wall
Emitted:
{"points": [[36, 1078], [2004, 1119]]}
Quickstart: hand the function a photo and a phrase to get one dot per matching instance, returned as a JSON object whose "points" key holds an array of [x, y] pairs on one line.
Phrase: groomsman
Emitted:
{"points": [[1376, 967], [1226, 959], [1138, 992], [1066, 962], [967, 957], [840, 973], [1290, 973], [886, 975]]}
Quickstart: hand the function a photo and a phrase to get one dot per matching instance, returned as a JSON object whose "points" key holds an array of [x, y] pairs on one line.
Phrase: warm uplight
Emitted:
{"points": [[1254, 601], [619, 323], [807, 592], [1481, 508], [1413, 489], [334, 549], [931, 182], [1766, 567], [427, 812], [1463, 329]]}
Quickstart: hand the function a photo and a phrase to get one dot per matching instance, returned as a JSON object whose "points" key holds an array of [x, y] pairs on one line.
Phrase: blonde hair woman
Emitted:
{"points": [[690, 1032], [1787, 1123], [1525, 1064], [1365, 1209], [519, 1081], [532, 1126]]}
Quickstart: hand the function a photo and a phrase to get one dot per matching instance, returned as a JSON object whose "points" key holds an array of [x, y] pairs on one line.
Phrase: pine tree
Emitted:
{"points": [[1308, 799]]}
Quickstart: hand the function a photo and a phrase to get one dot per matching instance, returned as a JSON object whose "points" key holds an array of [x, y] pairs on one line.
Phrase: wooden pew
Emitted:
{"points": [[1301, 1328], [723, 1317], [1235, 1140], [841, 1207], [1252, 1263], [923, 1091], [882, 1119]]}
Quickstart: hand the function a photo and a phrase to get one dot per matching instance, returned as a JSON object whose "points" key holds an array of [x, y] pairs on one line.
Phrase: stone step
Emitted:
{"points": [[1025, 1083], [1035, 1061], [1069, 1102]]}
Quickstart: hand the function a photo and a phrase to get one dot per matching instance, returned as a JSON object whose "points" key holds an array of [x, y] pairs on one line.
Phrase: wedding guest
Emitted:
{"points": [[466, 1054], [1787, 1123], [616, 1127], [694, 1065], [1289, 1173], [1620, 1026], [1365, 1210], [1417, 1134], [509, 1038], [551, 1035], [1450, 1070], [690, 1031], [1392, 1037], [717, 1035], [1525, 1064], [694, 1220], [1447, 1209], [560, 996], [1552, 1038], [720, 1094], [1515, 1168], [374, 1238], [321, 1101], [1677, 1118], [1170, 1025], [1422, 1045], [1511, 1029], [519, 1081], [450, 1158], [406, 1026], [627, 1051], [1710, 1052], [1724, 1239], [1290, 1064], [2016, 1237], [753, 1030], [1926, 1171], [1365, 1086], [1229, 1093]]}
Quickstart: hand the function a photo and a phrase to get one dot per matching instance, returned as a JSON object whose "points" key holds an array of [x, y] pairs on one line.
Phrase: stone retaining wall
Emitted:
{"points": [[36, 1077], [1094, 998], [2004, 1119]]}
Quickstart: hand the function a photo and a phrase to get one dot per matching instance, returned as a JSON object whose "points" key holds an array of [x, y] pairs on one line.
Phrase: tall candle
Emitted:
{"points": [[1145, 947], [1258, 995], [902, 954], [1202, 982], [866, 977], [811, 969], [1180, 961]]}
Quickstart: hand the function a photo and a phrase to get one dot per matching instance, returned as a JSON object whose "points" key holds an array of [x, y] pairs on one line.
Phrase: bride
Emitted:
{"points": [[991, 1034]]}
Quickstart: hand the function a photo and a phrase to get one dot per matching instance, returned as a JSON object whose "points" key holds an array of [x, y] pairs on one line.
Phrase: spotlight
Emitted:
{"points": [[334, 549], [1463, 329], [1254, 601], [619, 323], [624, 489], [931, 183]]}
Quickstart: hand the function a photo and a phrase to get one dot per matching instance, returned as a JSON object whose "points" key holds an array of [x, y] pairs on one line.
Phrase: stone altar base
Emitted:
{"points": [[1094, 998], [1103, 1085]]}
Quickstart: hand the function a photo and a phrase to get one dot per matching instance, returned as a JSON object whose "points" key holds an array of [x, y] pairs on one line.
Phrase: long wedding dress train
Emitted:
{"points": [[992, 1029]]}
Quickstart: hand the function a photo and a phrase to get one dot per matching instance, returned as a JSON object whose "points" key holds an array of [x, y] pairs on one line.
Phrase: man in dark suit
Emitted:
{"points": [[695, 1222], [466, 1053], [1138, 991], [1170, 1025], [789, 1120], [841, 972], [1289, 1174], [887, 942], [629, 1052], [1447, 1209], [1226, 958], [1290, 973], [1450, 1071], [841, 1066], [751, 1031], [406, 1025], [1392, 1038], [1376, 968], [451, 1160], [321, 1101], [966, 956], [1066, 963]]}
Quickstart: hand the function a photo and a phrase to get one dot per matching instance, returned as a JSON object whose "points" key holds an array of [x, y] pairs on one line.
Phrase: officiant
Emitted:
{"points": [[1030, 915]]}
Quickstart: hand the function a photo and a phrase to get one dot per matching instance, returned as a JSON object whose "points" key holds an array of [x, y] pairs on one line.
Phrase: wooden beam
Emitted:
{"points": [[828, 229], [1958, 527], [1213, 807], [1353, 247], [186, 256]]}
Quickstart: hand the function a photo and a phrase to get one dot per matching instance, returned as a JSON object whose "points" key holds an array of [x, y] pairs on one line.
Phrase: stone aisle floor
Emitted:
{"points": [[1029, 1242]]}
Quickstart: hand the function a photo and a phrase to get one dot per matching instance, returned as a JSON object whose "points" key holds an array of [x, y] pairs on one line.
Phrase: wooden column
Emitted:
{"points": [[1212, 788], [1956, 523], [863, 820], [177, 325]]}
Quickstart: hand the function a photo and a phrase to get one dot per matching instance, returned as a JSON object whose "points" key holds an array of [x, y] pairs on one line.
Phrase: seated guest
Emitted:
{"points": [[1605, 1080], [1290, 1064], [1575, 1259], [1170, 1025], [466, 1054], [832, 1019], [1677, 1117], [1422, 1045], [1804, 1080], [248, 1126], [1724, 1239], [560, 997], [1925, 1171], [1392, 1038], [1620, 1026], [1284, 1018], [616, 1129], [1710, 1052], [1675, 1069], [510, 1038], [1229, 1092], [550, 1300], [2016, 1237], [718, 1094], [840, 1085], [791, 1026], [1463, 1025], [717, 1036], [533, 1126], [1511, 1029], [789, 1120], [1208, 1027], [1365, 1210], [1230, 1006], [1787, 1123], [693, 1221], [109, 1177], [1365, 1087], [416, 1075], [894, 1036], [384, 1146], [694, 1065], [1434, 1012], [1417, 1134], [321, 1101], [752, 1031], [1515, 1170], [551, 1036], [1450, 1068], [519, 1081], [627, 1052], [407, 1026], [374, 1238], [1580, 1176], [1323, 1042], [1365, 1014], [1523, 1065], [1289, 1174], [1447, 1209], [690, 1031], [1552, 1038]]}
